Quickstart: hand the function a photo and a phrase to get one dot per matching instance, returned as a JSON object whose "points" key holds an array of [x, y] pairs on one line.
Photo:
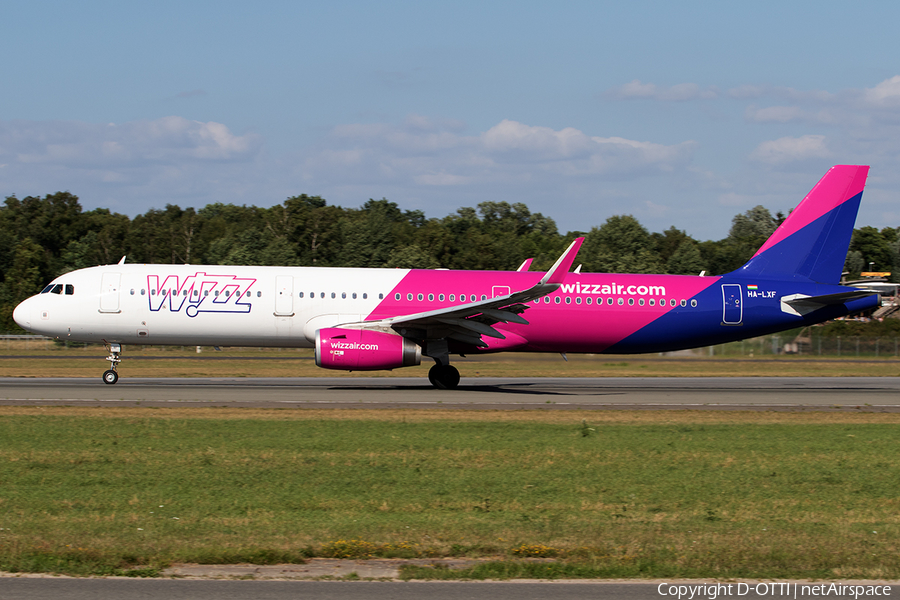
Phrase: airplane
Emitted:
{"points": [[383, 319]]}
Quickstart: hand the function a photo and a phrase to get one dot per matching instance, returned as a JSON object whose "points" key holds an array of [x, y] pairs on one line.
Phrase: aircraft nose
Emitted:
{"points": [[22, 314]]}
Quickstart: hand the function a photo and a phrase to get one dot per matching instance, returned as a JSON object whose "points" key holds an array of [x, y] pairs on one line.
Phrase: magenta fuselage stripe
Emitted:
{"points": [[840, 183], [570, 324]]}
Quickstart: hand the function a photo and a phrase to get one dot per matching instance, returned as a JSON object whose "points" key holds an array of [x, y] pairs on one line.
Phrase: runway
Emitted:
{"points": [[870, 394]]}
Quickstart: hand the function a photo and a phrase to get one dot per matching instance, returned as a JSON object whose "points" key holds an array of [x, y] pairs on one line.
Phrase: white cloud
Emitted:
{"points": [[676, 93], [790, 149], [88, 145], [122, 165], [507, 152], [885, 94], [787, 114], [542, 143], [778, 114]]}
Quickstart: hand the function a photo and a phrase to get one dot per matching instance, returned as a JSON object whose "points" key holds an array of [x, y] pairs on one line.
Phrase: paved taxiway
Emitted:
{"points": [[698, 393]]}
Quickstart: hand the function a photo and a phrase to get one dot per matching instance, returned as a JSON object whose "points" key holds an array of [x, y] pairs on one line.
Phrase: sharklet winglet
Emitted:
{"points": [[560, 268]]}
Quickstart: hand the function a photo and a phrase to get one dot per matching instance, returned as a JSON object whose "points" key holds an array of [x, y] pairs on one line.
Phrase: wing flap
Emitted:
{"points": [[472, 325]]}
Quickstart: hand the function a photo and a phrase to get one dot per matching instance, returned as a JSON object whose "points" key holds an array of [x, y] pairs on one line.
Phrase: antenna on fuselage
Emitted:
{"points": [[121, 262]]}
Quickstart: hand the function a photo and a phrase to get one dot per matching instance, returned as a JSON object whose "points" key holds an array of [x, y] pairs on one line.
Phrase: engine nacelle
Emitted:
{"points": [[363, 350]]}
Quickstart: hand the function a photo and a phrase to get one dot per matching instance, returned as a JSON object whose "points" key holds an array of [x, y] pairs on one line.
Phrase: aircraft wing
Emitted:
{"points": [[468, 322]]}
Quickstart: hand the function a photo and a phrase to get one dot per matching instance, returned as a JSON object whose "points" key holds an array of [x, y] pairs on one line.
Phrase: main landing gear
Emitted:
{"points": [[443, 377], [110, 376]]}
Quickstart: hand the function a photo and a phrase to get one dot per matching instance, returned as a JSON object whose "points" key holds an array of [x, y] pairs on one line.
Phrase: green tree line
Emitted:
{"points": [[42, 238]]}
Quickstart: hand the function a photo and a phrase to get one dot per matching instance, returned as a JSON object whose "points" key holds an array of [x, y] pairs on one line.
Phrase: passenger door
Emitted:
{"points": [[284, 296], [109, 292], [733, 309]]}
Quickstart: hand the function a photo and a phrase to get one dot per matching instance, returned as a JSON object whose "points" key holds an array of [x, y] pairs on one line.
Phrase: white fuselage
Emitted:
{"points": [[205, 305]]}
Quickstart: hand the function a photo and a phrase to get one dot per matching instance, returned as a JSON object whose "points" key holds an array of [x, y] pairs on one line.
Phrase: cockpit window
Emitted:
{"points": [[47, 289], [70, 289], [57, 289]]}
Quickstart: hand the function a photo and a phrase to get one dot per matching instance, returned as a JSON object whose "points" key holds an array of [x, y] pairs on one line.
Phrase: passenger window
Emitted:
{"points": [[409, 297], [684, 303], [588, 300], [216, 293], [473, 297], [321, 294], [546, 299], [143, 292], [568, 300], [441, 297], [343, 295], [556, 300], [396, 296], [641, 301], [609, 301], [205, 293], [672, 302], [420, 297], [631, 302], [483, 297], [70, 290], [259, 294], [301, 294], [621, 301], [652, 302], [452, 297], [354, 295], [132, 292], [694, 303], [578, 300], [152, 292], [431, 297]]}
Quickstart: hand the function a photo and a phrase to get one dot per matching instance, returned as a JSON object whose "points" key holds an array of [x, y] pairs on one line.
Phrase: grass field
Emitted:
{"points": [[614, 494], [50, 361]]}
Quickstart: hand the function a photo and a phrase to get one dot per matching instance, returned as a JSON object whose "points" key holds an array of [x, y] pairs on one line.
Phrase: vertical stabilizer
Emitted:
{"points": [[812, 242]]}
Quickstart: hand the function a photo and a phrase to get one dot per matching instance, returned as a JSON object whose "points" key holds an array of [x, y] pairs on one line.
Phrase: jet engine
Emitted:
{"points": [[364, 350]]}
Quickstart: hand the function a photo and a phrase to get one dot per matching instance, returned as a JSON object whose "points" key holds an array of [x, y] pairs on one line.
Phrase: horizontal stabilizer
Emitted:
{"points": [[799, 304]]}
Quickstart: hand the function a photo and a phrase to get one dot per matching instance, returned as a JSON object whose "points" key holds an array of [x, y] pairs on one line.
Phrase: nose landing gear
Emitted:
{"points": [[110, 376]]}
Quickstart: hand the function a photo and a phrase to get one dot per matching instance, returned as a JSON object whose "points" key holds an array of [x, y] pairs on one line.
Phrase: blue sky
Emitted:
{"points": [[681, 114]]}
